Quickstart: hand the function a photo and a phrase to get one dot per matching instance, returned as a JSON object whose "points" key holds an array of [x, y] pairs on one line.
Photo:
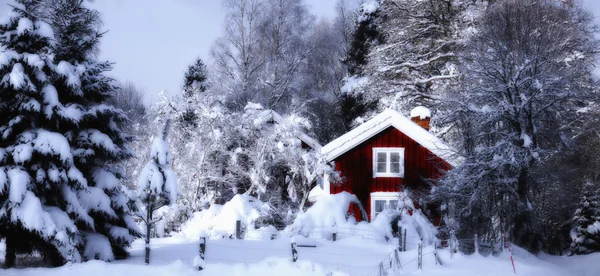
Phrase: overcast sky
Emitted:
{"points": [[153, 41]]}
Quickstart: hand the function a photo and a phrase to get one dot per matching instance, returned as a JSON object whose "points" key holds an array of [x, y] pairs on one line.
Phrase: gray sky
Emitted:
{"points": [[153, 41]]}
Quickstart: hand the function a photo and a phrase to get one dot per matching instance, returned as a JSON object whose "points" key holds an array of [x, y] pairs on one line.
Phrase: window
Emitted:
{"points": [[382, 201], [388, 162]]}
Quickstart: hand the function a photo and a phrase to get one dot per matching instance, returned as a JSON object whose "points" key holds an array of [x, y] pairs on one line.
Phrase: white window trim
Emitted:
{"points": [[387, 196], [388, 174]]}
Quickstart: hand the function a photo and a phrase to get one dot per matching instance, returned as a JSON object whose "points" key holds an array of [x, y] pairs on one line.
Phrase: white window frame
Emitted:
{"points": [[388, 173], [386, 196]]}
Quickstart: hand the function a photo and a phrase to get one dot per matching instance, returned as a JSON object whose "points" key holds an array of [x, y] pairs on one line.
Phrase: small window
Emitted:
{"points": [[379, 206], [381, 201], [388, 162]]}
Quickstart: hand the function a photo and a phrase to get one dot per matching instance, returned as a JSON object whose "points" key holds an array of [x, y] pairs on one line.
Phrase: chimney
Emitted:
{"points": [[421, 116]]}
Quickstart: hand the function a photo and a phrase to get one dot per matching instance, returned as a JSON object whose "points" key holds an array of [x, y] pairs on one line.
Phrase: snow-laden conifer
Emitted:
{"points": [[586, 224], [157, 185]]}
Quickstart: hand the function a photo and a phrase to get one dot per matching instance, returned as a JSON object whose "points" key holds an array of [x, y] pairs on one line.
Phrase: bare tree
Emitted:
{"points": [[130, 98], [237, 55], [527, 76]]}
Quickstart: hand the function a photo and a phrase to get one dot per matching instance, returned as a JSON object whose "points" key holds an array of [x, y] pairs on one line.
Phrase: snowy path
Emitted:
{"points": [[359, 257], [173, 257]]}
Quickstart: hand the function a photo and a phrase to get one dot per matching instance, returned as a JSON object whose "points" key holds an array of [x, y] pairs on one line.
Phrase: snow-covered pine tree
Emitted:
{"points": [[41, 184], [157, 185], [352, 100], [98, 143], [195, 80], [586, 223]]}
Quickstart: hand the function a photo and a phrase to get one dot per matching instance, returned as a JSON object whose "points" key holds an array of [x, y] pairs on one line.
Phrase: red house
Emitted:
{"points": [[383, 156]]}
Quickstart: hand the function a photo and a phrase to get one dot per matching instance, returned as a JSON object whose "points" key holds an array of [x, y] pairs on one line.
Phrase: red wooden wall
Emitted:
{"points": [[356, 168]]}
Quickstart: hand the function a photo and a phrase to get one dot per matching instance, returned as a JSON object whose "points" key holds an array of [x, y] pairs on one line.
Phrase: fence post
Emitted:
{"points": [[398, 265], [476, 244], [400, 240], [420, 257], [334, 236], [199, 261], [238, 229], [294, 250], [381, 272], [404, 243]]}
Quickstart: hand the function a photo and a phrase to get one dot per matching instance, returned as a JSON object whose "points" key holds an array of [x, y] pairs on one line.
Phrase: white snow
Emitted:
{"points": [[51, 143], [120, 233], [3, 181], [367, 9], [104, 179], [95, 137], [18, 180], [76, 175], [370, 7], [22, 153], [95, 199], [329, 215], [255, 106], [219, 221], [17, 76], [594, 228], [6, 56], [381, 122], [151, 177], [43, 29], [24, 25], [160, 151], [30, 213], [421, 112], [526, 140], [353, 84], [70, 72], [97, 247], [34, 60]]}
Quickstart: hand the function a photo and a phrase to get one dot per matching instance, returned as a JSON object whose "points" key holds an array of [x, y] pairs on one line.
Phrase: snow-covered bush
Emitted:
{"points": [[330, 214], [220, 220]]}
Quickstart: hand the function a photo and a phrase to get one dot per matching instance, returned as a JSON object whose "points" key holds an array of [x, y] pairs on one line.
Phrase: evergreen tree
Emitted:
{"points": [[195, 83], [586, 224], [62, 143], [40, 209], [77, 37], [157, 186], [195, 80]]}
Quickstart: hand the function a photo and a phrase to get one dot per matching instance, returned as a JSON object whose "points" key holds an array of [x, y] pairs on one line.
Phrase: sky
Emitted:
{"points": [[152, 42]]}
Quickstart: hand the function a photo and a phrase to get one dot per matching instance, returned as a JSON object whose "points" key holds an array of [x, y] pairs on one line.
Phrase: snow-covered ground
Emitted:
{"points": [[173, 256], [361, 249]]}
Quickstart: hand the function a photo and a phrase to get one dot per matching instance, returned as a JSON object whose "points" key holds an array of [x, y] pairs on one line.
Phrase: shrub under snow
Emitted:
{"points": [[330, 214], [219, 220]]}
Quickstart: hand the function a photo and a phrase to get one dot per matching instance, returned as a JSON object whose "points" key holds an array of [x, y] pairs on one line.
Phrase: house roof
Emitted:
{"points": [[381, 122]]}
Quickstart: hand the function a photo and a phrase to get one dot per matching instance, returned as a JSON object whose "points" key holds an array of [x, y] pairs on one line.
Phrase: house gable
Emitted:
{"points": [[354, 160], [386, 119]]}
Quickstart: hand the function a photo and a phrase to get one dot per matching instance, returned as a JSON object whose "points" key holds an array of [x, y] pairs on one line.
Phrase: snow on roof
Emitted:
{"points": [[421, 112], [381, 122]]}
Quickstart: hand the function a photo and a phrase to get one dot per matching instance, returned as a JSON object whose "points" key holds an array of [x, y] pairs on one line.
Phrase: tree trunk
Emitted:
{"points": [[149, 212], [524, 232], [11, 252]]}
